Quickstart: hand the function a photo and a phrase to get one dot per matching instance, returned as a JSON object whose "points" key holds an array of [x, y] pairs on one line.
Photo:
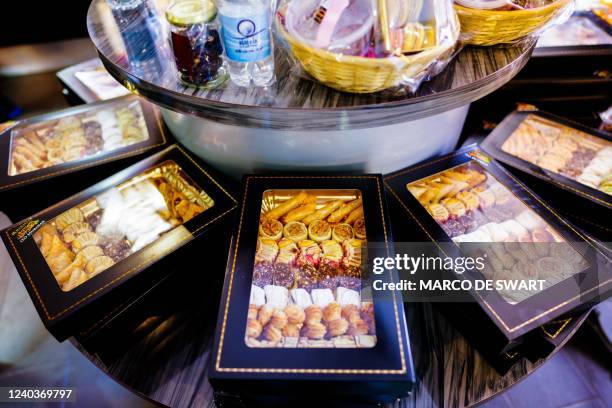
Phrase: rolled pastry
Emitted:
{"points": [[287, 206], [300, 213], [345, 210], [323, 212], [354, 215]]}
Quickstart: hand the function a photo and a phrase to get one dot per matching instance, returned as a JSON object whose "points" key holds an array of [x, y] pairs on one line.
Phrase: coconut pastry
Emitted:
{"points": [[258, 296], [319, 231], [359, 228], [276, 296], [270, 229], [322, 297], [295, 231], [342, 232], [301, 298], [347, 297]]}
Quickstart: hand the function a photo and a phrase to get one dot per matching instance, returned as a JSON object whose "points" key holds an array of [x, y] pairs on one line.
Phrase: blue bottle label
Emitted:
{"points": [[246, 39]]}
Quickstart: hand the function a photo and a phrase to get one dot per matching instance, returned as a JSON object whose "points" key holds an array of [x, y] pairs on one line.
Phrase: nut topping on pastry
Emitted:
{"points": [[319, 231], [272, 229]]}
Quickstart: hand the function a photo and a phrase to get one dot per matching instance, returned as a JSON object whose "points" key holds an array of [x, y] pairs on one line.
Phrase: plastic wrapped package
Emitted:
{"points": [[365, 46], [579, 30], [490, 22]]}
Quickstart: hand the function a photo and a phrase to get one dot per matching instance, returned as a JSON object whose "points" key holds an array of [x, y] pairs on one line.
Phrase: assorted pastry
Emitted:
{"points": [[76, 137], [473, 207], [90, 238], [307, 276], [562, 150]]}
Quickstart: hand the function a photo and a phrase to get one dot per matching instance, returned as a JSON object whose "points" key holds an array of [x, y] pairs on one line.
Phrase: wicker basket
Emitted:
{"points": [[490, 27], [360, 74]]}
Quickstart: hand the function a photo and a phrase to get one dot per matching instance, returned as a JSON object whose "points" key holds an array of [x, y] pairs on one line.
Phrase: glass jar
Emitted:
{"points": [[196, 42]]}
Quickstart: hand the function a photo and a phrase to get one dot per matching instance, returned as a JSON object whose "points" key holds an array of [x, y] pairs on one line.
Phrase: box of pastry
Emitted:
{"points": [[89, 81], [573, 157], [535, 264], [583, 34], [54, 144], [298, 307], [83, 256]]}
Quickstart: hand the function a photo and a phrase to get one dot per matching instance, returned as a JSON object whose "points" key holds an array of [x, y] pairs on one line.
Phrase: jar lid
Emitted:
{"points": [[188, 12]]}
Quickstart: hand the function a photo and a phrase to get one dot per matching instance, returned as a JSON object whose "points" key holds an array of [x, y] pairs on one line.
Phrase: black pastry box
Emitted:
{"points": [[73, 139], [298, 320], [568, 155], [85, 256], [466, 199]]}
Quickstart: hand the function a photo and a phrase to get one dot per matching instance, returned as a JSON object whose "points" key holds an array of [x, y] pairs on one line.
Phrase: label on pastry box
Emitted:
{"points": [[25, 230]]}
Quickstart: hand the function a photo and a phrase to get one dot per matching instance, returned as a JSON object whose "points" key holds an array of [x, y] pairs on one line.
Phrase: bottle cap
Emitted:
{"points": [[188, 12]]}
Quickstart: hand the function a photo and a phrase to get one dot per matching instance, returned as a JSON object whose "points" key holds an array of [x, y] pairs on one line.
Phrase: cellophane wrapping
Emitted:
{"points": [[370, 45]]}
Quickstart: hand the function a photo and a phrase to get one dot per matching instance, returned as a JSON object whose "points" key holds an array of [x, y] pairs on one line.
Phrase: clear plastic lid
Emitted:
{"points": [[351, 24]]}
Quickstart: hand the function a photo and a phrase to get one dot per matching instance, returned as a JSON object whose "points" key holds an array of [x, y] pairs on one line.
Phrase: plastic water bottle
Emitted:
{"points": [[248, 40]]}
